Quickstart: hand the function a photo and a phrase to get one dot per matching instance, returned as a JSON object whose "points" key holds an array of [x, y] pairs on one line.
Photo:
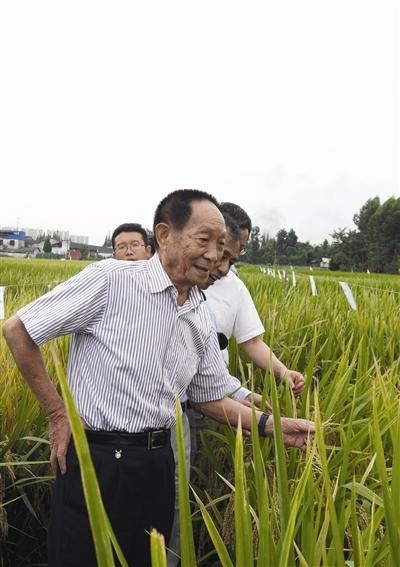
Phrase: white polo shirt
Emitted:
{"points": [[233, 308]]}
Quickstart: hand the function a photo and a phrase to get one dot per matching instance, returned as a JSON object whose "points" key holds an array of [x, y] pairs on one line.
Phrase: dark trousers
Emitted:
{"points": [[138, 492]]}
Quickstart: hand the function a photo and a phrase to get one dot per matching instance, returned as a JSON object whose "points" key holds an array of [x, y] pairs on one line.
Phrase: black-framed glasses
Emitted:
{"points": [[126, 247]]}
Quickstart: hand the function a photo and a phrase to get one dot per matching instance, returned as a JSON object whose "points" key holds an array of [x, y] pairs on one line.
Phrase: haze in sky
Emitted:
{"points": [[288, 108]]}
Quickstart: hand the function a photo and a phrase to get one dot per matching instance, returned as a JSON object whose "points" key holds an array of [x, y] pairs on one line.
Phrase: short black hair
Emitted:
{"points": [[150, 238], [175, 209], [238, 214], [231, 226], [129, 227]]}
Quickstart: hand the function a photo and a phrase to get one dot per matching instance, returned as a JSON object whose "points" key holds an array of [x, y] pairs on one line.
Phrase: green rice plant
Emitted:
{"points": [[157, 548], [215, 535], [339, 501], [267, 553], [281, 472], [391, 513], [103, 535], [243, 528], [188, 556]]}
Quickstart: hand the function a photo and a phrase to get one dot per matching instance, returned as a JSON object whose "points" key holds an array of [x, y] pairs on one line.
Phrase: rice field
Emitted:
{"points": [[252, 502]]}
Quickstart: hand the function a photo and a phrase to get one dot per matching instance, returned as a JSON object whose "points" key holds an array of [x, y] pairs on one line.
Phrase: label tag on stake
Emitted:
{"points": [[1, 302], [313, 286], [294, 279], [349, 296]]}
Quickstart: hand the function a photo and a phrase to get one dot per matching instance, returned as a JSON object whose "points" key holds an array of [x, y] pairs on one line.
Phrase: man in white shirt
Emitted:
{"points": [[236, 315]]}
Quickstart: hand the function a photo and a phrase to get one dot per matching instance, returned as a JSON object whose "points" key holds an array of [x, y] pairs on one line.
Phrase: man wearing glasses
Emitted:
{"points": [[130, 241]]}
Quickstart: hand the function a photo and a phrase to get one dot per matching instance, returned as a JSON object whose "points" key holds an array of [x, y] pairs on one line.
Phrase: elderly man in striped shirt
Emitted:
{"points": [[140, 335]]}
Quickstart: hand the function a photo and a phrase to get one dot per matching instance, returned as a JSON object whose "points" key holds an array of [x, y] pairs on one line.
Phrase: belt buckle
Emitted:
{"points": [[152, 441]]}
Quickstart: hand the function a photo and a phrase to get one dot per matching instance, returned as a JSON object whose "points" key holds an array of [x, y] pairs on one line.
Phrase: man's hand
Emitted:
{"points": [[295, 381], [256, 400], [59, 434], [295, 432], [29, 360], [263, 357]]}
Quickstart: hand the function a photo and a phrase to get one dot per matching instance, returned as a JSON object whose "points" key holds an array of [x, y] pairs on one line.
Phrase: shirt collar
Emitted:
{"points": [[195, 297], [160, 281]]}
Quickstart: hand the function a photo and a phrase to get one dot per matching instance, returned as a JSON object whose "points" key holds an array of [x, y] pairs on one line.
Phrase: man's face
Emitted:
{"points": [[189, 255], [244, 238], [130, 246], [229, 257]]}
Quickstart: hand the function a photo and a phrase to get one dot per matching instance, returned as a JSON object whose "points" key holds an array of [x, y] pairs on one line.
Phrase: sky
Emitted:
{"points": [[288, 108]]}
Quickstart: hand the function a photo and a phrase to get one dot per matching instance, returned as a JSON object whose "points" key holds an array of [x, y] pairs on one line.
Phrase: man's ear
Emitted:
{"points": [[162, 232], [148, 251]]}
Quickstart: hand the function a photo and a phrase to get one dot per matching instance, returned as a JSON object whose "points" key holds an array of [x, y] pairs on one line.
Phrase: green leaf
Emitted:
{"points": [[243, 531], [157, 548], [96, 511], [188, 555]]}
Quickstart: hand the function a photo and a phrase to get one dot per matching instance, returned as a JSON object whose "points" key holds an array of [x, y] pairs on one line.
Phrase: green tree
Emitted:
{"points": [[47, 246], [374, 245], [281, 242], [291, 239], [267, 249], [348, 250], [286, 246], [85, 252], [253, 255], [384, 237], [363, 217]]}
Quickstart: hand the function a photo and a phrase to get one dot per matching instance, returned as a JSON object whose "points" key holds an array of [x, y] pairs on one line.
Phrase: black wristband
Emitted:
{"points": [[261, 424]]}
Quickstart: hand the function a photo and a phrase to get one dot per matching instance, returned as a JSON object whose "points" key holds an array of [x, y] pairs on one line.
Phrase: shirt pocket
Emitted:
{"points": [[186, 369]]}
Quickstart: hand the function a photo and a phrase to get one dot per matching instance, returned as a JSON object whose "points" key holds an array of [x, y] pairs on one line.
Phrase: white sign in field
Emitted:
{"points": [[1, 302], [313, 286], [349, 296]]}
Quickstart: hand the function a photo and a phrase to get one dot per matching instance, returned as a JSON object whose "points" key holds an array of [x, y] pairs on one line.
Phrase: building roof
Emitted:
{"points": [[90, 247]]}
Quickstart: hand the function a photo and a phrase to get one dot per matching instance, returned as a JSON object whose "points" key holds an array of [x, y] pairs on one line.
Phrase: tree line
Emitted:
{"points": [[374, 245]]}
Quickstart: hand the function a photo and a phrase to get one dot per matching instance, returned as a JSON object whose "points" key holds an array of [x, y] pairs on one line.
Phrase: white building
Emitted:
{"points": [[325, 263], [79, 239], [62, 234], [34, 233], [60, 247], [12, 239]]}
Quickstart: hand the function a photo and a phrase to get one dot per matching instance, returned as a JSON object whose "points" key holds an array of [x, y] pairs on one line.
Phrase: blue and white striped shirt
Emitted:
{"points": [[133, 348]]}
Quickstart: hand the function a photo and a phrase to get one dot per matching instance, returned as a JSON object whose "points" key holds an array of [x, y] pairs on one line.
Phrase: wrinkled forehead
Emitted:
{"points": [[206, 216]]}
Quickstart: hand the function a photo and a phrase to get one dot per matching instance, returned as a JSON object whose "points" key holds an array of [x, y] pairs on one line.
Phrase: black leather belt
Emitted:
{"points": [[152, 439]]}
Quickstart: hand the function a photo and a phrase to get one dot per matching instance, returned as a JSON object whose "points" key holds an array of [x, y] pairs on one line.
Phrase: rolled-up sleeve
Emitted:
{"points": [[211, 382], [236, 390], [73, 306]]}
